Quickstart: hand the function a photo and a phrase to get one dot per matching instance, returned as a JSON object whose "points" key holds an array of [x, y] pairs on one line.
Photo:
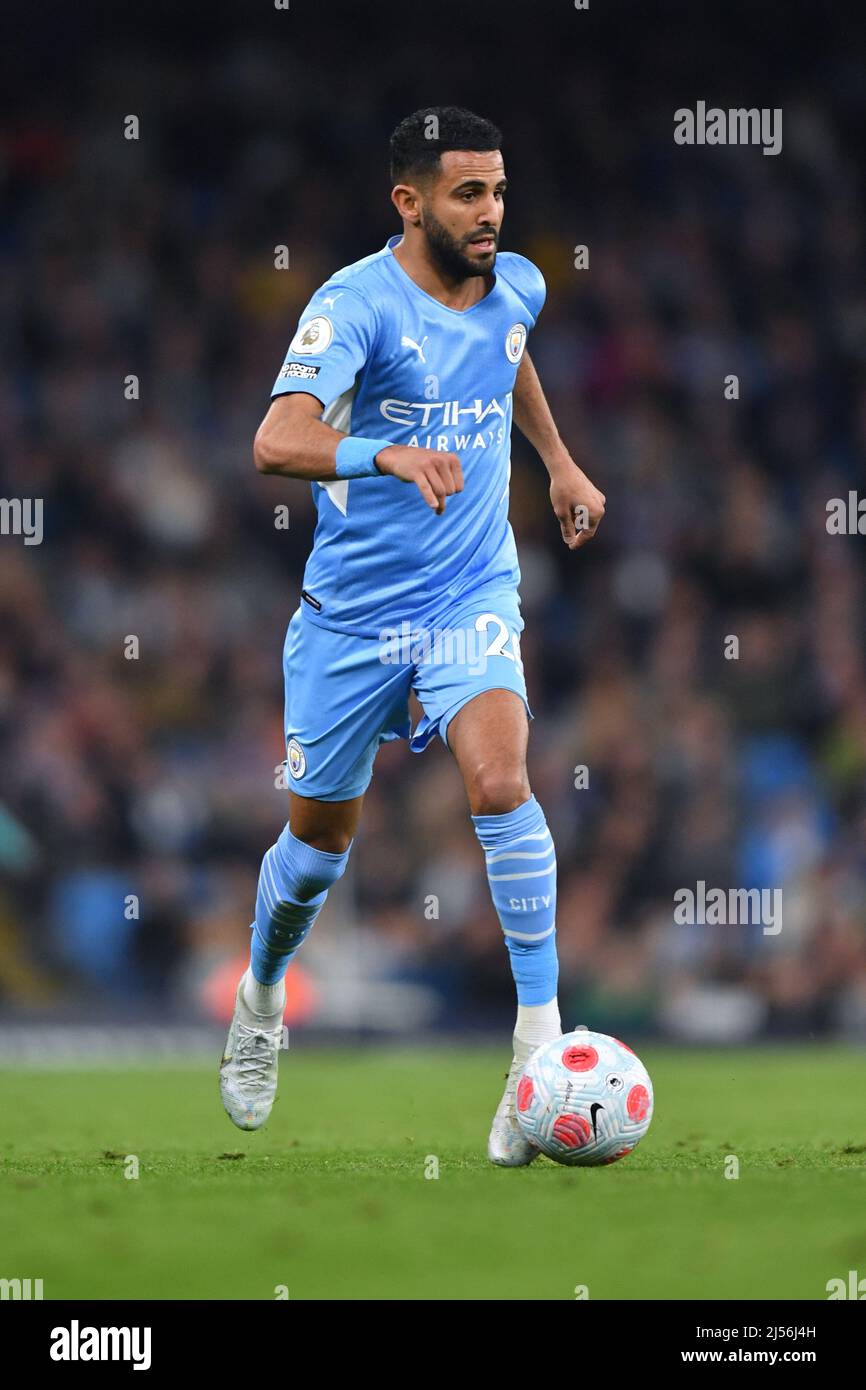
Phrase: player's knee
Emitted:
{"points": [[329, 841], [494, 791], [311, 879], [308, 866]]}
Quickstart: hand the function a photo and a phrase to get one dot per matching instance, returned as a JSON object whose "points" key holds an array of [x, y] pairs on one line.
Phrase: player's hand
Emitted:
{"points": [[579, 506], [435, 475]]}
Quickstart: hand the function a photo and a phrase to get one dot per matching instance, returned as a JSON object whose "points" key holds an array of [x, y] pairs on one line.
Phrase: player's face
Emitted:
{"points": [[462, 213]]}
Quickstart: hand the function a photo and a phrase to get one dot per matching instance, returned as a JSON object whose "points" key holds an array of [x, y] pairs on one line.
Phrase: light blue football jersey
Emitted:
{"points": [[388, 361]]}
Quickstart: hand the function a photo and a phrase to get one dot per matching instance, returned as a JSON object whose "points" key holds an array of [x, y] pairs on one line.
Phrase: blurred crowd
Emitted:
{"points": [[140, 642]]}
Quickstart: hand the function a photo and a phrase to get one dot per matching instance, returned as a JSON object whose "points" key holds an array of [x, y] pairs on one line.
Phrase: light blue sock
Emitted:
{"points": [[293, 884], [521, 870]]}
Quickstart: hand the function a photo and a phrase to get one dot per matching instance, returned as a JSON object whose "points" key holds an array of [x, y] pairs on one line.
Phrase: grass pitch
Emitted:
{"points": [[331, 1201]]}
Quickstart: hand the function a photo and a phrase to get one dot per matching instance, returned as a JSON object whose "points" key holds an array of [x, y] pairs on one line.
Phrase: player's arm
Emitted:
{"points": [[294, 441], [579, 506]]}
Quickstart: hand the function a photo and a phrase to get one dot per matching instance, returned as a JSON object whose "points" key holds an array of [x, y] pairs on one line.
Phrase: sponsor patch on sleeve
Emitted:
{"points": [[306, 371]]}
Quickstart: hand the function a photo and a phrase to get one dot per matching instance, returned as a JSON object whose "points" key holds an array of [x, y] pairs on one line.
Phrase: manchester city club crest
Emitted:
{"points": [[296, 759], [313, 336], [515, 342]]}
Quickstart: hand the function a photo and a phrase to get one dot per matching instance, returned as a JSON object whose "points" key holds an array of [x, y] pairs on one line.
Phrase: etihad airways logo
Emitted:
{"points": [[425, 415], [435, 423]]}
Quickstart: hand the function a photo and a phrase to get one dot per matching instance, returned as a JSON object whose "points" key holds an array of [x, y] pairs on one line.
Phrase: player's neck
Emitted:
{"points": [[454, 294]]}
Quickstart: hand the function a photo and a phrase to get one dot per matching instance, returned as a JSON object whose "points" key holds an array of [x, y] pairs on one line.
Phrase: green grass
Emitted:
{"points": [[330, 1199]]}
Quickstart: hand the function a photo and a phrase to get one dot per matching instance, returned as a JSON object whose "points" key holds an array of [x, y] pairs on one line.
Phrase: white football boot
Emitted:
{"points": [[507, 1145], [248, 1070]]}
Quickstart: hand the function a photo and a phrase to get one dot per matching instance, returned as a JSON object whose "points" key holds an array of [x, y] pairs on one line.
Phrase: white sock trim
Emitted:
{"points": [[538, 1023], [265, 1000]]}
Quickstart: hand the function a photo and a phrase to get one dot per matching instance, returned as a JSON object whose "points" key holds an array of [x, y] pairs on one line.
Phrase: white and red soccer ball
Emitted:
{"points": [[584, 1099]]}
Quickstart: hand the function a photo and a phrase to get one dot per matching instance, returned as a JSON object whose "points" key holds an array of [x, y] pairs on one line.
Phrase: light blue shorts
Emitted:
{"points": [[345, 695]]}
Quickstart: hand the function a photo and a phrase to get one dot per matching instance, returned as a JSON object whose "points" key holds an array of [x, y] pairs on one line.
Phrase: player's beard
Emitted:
{"points": [[448, 255]]}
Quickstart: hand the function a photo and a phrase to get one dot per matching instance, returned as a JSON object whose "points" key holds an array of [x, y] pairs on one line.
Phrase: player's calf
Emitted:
{"points": [[521, 871], [293, 885]]}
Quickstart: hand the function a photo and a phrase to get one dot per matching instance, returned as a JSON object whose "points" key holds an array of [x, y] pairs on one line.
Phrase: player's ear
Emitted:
{"points": [[405, 199]]}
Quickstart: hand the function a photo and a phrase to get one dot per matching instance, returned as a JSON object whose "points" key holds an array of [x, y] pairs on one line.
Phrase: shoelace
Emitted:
{"points": [[254, 1054]]}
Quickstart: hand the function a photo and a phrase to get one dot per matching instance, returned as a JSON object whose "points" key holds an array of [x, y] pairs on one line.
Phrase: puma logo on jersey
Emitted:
{"points": [[331, 299], [418, 347]]}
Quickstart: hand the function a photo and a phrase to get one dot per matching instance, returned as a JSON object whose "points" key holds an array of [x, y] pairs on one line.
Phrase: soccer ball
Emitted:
{"points": [[584, 1099]]}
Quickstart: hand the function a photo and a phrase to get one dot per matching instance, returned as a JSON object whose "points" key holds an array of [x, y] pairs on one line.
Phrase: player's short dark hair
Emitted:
{"points": [[418, 141]]}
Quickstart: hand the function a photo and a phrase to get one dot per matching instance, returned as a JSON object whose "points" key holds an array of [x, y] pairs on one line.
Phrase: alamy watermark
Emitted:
{"points": [[854, 1287], [471, 647], [737, 126], [712, 907], [77, 1343], [846, 516], [23, 1289], [22, 516]]}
